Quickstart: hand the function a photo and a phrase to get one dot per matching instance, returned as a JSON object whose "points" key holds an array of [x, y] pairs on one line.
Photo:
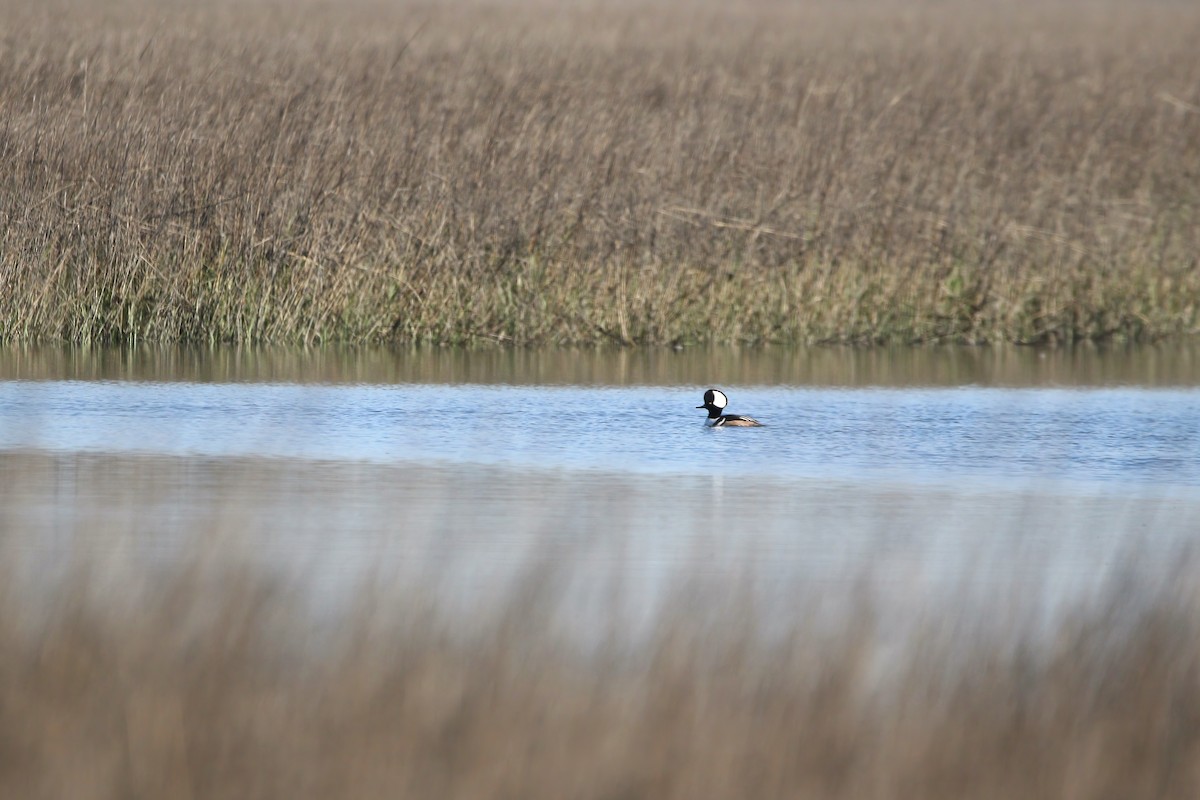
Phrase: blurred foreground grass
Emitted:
{"points": [[142, 654], [197, 694]]}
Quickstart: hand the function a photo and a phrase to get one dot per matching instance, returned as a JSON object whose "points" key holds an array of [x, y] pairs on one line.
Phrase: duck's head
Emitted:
{"points": [[714, 402]]}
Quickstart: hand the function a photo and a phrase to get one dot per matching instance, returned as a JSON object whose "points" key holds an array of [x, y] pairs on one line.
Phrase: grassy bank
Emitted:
{"points": [[527, 173]]}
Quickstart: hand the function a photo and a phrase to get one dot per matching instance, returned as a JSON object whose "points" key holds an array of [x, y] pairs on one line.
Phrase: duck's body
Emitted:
{"points": [[735, 421], [715, 402]]}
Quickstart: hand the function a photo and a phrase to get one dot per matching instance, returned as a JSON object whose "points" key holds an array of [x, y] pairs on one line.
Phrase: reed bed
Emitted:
{"points": [[539, 173], [162, 634], [200, 690]]}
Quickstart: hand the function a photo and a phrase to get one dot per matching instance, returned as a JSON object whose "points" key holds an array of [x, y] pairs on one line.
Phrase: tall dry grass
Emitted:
{"points": [[541, 173], [197, 693], [192, 628]]}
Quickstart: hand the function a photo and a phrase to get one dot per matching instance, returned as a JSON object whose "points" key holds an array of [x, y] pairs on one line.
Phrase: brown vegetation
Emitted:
{"points": [[160, 637], [197, 693], [527, 172]]}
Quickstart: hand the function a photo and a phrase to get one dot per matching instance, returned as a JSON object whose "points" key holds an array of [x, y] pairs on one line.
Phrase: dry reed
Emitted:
{"points": [[160, 638], [543, 173], [197, 693]]}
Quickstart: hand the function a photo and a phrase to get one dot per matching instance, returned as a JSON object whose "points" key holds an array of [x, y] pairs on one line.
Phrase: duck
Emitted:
{"points": [[715, 402]]}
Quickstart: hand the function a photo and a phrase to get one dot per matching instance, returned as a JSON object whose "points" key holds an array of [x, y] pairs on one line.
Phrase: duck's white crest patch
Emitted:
{"points": [[719, 399]]}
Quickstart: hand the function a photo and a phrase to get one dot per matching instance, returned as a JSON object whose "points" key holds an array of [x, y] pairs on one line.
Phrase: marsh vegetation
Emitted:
{"points": [[664, 173], [174, 627], [189, 695]]}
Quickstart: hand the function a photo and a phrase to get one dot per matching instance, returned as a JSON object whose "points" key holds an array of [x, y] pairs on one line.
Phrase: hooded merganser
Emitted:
{"points": [[714, 401]]}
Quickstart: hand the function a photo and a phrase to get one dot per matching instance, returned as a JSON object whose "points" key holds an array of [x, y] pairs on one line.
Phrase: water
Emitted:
{"points": [[1126, 437], [455, 474], [1161, 366]]}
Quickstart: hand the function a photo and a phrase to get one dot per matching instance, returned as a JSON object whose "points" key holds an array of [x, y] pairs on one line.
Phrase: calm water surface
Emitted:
{"points": [[1130, 438], [1034, 482]]}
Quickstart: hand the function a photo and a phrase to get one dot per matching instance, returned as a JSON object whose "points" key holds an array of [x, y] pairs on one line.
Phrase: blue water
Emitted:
{"points": [[930, 498], [1124, 437]]}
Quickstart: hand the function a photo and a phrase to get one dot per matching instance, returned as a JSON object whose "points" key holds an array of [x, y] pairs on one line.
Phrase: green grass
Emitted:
{"points": [[675, 174]]}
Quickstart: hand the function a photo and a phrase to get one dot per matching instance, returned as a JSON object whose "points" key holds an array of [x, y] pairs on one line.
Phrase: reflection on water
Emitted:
{"points": [[615, 546], [1175, 364]]}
